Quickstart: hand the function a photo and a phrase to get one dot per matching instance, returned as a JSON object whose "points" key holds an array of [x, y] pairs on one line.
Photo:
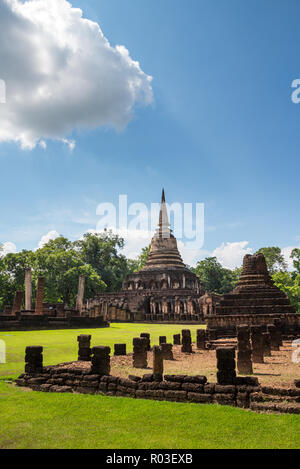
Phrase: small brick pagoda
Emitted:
{"points": [[255, 292], [163, 290], [254, 301]]}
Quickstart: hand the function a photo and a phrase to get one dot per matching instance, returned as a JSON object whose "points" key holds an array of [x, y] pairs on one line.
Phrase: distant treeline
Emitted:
{"points": [[98, 257]]}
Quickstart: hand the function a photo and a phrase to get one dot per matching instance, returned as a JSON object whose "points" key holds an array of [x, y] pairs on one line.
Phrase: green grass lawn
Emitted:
{"points": [[62, 346], [41, 420]]}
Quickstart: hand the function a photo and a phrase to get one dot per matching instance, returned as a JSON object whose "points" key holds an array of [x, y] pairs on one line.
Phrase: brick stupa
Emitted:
{"points": [[255, 292], [165, 289]]}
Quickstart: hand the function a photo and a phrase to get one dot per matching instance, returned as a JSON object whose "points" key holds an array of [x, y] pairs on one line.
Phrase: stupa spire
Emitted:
{"points": [[163, 230], [164, 252]]}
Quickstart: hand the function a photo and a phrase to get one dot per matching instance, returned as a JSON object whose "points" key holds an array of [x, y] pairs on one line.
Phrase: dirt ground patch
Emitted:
{"points": [[278, 370]]}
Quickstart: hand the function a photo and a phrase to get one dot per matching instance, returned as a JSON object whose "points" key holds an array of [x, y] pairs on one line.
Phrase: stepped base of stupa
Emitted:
{"points": [[254, 301]]}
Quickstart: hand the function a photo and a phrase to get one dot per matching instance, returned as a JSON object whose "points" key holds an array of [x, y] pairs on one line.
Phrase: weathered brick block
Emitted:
{"points": [[100, 360], [201, 339], [140, 352], [146, 336], [201, 398], [119, 349], [155, 394], [224, 389], [191, 387], [176, 339], [167, 352], [158, 362], [170, 386], [175, 395], [186, 341], [225, 399]]}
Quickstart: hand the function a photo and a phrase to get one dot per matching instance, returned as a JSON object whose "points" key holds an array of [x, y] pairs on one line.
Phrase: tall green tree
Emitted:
{"points": [[102, 252], [12, 274], [289, 282], [274, 259], [295, 255], [214, 278], [61, 264], [140, 262]]}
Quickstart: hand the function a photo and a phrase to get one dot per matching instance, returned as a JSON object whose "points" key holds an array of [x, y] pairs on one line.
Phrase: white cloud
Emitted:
{"points": [[47, 237], [135, 241], [70, 143], [191, 256], [8, 248], [286, 252], [231, 255], [62, 74]]}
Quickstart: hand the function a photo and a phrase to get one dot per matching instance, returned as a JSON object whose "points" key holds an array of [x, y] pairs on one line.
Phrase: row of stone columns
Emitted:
{"points": [[19, 295], [254, 345]]}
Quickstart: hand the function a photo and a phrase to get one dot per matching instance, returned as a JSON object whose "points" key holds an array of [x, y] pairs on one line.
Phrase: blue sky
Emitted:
{"points": [[221, 129]]}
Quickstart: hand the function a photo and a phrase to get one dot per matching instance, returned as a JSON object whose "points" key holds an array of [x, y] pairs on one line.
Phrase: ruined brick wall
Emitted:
{"points": [[245, 393], [33, 322], [226, 325], [175, 388]]}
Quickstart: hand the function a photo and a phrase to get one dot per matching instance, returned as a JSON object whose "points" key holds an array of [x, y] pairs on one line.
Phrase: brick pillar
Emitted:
{"points": [[145, 335], [278, 325], [177, 339], [267, 344], [84, 348], [80, 293], [167, 351], [18, 300], [39, 296], [272, 331], [140, 352], [162, 340], [34, 360], [226, 374], [158, 362], [120, 349], [244, 355], [201, 339], [186, 341], [100, 361], [257, 342], [28, 290]]}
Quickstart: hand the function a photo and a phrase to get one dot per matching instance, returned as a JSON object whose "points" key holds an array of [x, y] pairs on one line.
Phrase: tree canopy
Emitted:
{"points": [[98, 257], [214, 277], [61, 261], [274, 259]]}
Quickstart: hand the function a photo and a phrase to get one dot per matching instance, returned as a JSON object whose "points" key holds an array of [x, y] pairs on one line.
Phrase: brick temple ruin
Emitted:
{"points": [[164, 290], [255, 301], [45, 315]]}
